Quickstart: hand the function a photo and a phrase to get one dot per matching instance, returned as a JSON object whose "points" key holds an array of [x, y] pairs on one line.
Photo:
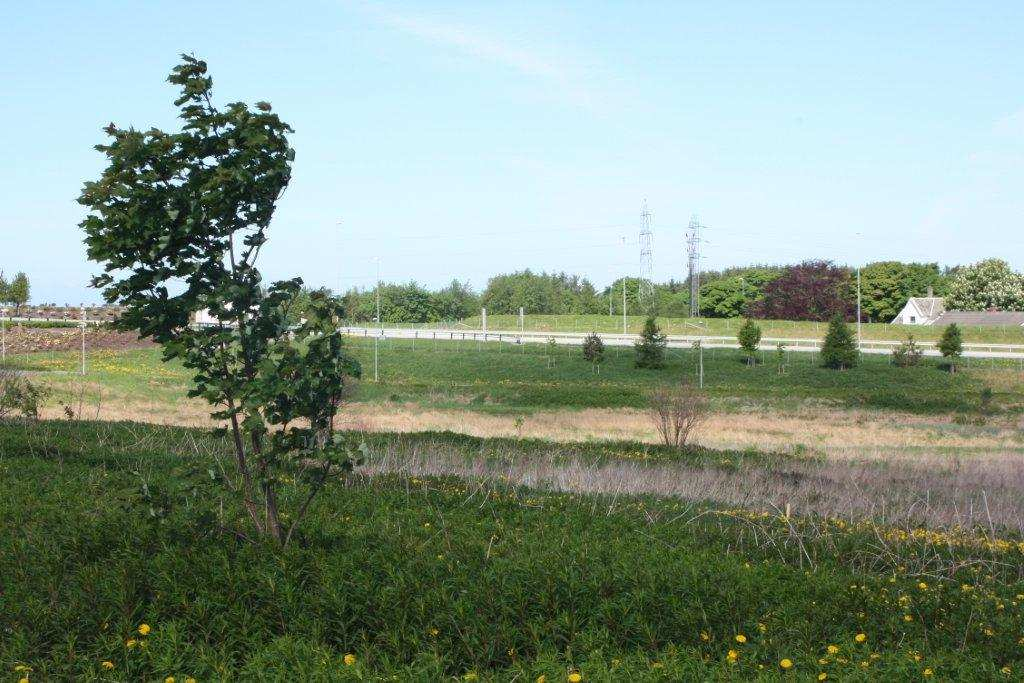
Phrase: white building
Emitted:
{"points": [[920, 310]]}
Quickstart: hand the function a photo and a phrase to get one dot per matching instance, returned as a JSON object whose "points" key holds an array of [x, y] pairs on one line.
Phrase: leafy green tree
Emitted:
{"points": [[886, 285], [19, 292], [985, 285], [725, 298], [650, 348], [749, 336], [674, 304], [455, 302], [593, 349], [5, 290], [951, 345], [177, 220], [733, 293], [614, 292], [839, 349], [812, 290]]}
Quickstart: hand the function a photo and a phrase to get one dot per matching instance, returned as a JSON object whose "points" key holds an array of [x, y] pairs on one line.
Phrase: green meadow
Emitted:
{"points": [[503, 376], [126, 564]]}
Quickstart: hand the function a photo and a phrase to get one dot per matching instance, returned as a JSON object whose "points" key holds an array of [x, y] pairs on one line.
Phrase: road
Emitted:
{"points": [[768, 344]]}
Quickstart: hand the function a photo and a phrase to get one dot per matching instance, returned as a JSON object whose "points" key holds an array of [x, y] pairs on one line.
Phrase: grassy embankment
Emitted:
{"points": [[798, 329], [425, 578]]}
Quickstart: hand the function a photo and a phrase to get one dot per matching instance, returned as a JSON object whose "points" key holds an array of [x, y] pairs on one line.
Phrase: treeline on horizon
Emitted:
{"points": [[811, 290]]}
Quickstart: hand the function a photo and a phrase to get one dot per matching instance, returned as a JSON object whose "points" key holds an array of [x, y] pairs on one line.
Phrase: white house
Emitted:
{"points": [[920, 310]]}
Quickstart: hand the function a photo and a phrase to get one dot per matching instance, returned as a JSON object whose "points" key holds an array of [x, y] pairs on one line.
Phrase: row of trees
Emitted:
{"points": [[839, 348], [411, 303], [16, 292], [812, 290]]}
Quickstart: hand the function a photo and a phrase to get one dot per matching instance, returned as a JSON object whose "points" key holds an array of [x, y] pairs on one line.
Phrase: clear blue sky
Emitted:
{"points": [[465, 139]]}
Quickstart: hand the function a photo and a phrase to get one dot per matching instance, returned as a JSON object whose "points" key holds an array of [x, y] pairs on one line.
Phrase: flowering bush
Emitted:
{"points": [[986, 285]]}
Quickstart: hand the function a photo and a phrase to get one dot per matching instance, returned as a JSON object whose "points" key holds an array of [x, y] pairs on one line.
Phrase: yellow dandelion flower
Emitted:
{"points": [[575, 677], [860, 637], [131, 643], [832, 649], [1005, 671], [471, 676], [740, 638], [107, 664], [169, 679], [822, 676], [786, 664], [923, 586], [542, 679], [704, 636], [144, 629], [908, 617], [928, 672], [190, 680], [349, 659], [733, 655]]}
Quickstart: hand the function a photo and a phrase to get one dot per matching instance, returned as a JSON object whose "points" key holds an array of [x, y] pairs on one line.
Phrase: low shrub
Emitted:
{"points": [[677, 411], [19, 396]]}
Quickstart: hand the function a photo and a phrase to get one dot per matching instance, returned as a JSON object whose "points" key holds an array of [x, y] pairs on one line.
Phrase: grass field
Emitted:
{"points": [[728, 327], [428, 578], [505, 377]]}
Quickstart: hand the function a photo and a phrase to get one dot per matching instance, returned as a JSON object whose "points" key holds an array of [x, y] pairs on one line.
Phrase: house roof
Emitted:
{"points": [[981, 318], [929, 306]]}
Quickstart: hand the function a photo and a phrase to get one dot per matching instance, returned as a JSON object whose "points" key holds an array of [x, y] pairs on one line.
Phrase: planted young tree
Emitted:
{"points": [[18, 292], [177, 221], [5, 291], [839, 349], [593, 350], [650, 348], [951, 345], [749, 336], [907, 354]]}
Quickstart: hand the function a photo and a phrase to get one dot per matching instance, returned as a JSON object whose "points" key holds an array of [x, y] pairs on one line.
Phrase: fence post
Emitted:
{"points": [[82, 325]]}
